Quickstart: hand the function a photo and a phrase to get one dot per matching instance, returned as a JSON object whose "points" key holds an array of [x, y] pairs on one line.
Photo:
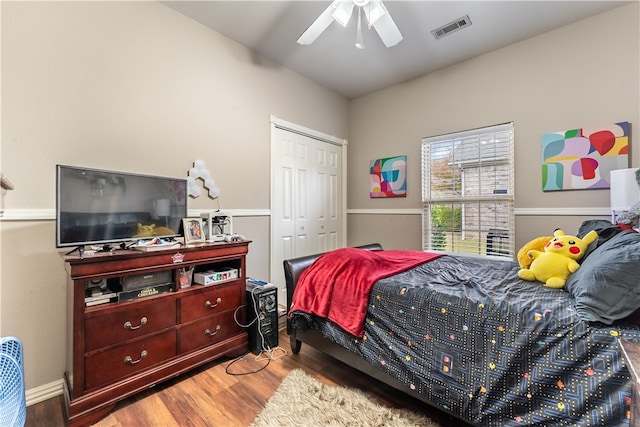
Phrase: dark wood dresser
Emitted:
{"points": [[121, 347]]}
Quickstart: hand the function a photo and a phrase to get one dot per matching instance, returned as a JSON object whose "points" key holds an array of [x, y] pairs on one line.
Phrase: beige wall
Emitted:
{"points": [[130, 86], [138, 87], [580, 75]]}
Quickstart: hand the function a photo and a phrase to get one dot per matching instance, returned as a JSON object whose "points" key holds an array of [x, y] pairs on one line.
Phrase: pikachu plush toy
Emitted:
{"points": [[559, 259]]}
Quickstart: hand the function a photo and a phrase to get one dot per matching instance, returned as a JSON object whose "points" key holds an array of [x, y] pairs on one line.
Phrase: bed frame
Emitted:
{"points": [[292, 270]]}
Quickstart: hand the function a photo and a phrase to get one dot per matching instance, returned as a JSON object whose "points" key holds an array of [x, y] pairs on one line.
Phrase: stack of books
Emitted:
{"points": [[96, 293]]}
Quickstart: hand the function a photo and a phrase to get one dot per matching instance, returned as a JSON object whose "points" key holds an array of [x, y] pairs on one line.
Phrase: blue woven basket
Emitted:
{"points": [[13, 408]]}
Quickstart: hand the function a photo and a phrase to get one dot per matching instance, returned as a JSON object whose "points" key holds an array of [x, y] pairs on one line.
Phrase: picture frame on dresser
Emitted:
{"points": [[192, 230]]}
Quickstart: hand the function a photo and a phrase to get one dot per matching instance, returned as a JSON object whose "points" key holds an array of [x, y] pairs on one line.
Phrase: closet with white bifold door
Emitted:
{"points": [[308, 195]]}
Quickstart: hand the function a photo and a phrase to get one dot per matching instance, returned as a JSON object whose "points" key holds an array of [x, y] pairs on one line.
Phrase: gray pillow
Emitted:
{"points": [[606, 287], [593, 224], [605, 230]]}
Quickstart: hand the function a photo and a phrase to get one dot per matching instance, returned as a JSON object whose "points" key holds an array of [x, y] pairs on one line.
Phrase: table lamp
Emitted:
{"points": [[624, 191]]}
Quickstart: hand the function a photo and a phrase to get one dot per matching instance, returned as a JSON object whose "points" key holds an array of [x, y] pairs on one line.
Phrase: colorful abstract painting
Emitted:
{"points": [[581, 159], [388, 177]]}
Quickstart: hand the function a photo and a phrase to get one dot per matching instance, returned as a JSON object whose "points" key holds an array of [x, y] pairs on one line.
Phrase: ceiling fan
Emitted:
{"points": [[341, 10]]}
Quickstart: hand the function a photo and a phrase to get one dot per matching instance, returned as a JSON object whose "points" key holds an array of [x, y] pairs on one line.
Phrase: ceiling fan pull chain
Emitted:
{"points": [[359, 40]]}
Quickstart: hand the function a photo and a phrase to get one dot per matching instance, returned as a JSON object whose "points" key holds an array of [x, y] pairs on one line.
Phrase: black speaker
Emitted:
{"points": [[262, 317]]}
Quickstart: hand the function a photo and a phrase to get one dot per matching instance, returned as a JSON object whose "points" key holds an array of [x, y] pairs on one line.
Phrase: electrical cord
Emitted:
{"points": [[243, 357], [267, 353], [235, 318]]}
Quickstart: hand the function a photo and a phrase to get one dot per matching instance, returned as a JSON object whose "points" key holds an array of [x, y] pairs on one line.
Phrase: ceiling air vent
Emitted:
{"points": [[451, 27]]}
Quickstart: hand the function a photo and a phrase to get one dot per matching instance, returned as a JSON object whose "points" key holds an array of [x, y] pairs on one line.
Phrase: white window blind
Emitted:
{"points": [[467, 192]]}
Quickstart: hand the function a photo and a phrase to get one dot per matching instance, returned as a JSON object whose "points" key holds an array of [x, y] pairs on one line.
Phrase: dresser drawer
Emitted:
{"points": [[105, 367], [207, 331], [131, 321], [214, 300]]}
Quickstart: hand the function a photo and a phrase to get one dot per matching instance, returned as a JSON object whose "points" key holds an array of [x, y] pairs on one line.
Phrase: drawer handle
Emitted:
{"points": [[129, 361], [211, 305], [128, 325], [208, 332]]}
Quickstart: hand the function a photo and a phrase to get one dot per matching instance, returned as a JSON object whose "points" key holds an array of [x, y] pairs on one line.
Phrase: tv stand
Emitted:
{"points": [[117, 349]]}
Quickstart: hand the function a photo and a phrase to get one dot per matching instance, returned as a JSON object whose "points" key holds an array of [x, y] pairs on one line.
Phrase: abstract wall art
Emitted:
{"points": [[581, 159], [388, 177]]}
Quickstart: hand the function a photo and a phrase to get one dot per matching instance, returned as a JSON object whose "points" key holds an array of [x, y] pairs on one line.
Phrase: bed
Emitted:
{"points": [[466, 335]]}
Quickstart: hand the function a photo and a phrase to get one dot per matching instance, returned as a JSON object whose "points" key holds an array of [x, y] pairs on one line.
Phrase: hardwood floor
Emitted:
{"points": [[214, 396]]}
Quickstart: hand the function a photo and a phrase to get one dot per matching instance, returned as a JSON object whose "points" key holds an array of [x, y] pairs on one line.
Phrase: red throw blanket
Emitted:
{"points": [[337, 285]]}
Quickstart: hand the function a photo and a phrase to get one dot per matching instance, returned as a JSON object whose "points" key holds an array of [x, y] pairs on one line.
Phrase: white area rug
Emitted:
{"points": [[301, 400]]}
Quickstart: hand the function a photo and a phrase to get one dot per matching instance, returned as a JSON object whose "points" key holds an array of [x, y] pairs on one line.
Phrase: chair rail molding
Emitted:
{"points": [[50, 214], [554, 211]]}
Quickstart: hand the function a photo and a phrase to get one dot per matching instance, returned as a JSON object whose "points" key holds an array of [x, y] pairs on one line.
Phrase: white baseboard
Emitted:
{"points": [[44, 392]]}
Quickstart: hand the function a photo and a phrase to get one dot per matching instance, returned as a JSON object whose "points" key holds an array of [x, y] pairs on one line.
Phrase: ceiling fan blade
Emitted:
{"points": [[374, 11], [319, 25], [387, 29], [343, 11]]}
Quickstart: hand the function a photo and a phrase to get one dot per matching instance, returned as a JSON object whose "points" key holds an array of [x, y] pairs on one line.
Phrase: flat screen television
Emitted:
{"points": [[100, 207]]}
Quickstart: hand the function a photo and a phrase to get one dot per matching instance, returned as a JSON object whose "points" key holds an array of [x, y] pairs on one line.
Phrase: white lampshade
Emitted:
{"points": [[624, 189]]}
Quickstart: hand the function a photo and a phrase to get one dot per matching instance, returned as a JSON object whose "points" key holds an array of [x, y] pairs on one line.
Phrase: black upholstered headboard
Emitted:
{"points": [[295, 266]]}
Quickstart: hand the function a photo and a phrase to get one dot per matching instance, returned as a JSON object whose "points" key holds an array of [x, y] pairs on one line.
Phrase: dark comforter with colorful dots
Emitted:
{"points": [[490, 348]]}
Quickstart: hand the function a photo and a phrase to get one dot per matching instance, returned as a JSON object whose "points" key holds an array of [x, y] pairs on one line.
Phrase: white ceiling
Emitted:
{"points": [[271, 28]]}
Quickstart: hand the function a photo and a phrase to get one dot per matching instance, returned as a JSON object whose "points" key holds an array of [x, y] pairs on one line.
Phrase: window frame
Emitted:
{"points": [[452, 156]]}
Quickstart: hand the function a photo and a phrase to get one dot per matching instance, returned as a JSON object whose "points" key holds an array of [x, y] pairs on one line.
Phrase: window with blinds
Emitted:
{"points": [[467, 192]]}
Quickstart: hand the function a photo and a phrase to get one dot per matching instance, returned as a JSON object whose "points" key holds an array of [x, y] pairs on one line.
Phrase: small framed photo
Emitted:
{"points": [[185, 276], [192, 230]]}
